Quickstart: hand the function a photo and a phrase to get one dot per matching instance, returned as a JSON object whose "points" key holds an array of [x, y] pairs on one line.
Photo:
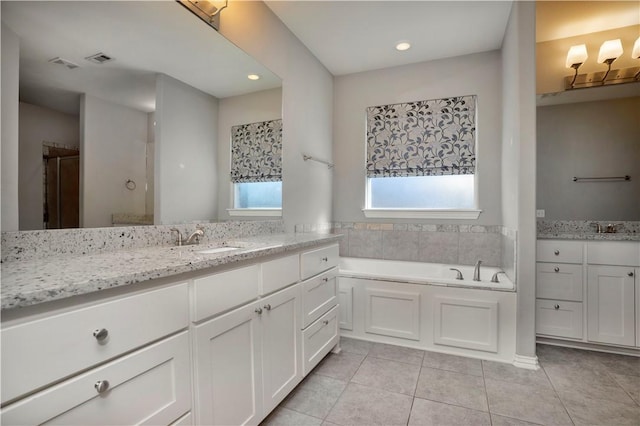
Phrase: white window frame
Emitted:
{"points": [[410, 213], [249, 212]]}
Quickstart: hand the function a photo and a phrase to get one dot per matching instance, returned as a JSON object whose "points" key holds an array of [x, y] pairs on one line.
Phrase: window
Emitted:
{"points": [[256, 168], [421, 157]]}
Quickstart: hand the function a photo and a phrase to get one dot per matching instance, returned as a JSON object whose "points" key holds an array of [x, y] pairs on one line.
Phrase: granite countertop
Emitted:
{"points": [[590, 236], [29, 282]]}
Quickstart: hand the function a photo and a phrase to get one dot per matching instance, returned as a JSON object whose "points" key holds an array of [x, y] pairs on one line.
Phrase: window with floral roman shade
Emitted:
{"points": [[256, 152], [424, 138]]}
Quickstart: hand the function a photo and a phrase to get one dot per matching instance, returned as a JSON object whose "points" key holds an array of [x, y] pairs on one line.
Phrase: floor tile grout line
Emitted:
{"points": [[486, 394], [557, 394]]}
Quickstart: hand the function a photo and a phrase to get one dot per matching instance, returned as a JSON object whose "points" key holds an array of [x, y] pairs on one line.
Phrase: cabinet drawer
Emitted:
{"points": [[40, 352], [319, 294], [316, 261], [559, 281], [279, 273], [217, 293], [160, 373], [319, 338], [619, 253], [559, 318], [559, 251]]}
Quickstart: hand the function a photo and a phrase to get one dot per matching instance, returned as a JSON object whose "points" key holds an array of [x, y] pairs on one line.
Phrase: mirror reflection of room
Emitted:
{"points": [[100, 116], [588, 118]]}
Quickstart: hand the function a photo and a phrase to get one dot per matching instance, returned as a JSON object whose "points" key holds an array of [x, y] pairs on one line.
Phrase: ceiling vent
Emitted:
{"points": [[99, 58], [66, 63]]}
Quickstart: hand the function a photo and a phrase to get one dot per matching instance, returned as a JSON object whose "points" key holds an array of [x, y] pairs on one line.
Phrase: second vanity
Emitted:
{"points": [[588, 292], [213, 339]]}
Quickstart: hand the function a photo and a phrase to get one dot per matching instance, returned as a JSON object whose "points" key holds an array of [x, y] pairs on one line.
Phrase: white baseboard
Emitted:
{"points": [[527, 362]]}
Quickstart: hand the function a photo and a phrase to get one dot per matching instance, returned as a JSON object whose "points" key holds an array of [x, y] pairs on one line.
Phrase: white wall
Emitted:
{"points": [[251, 108], [307, 102], [600, 138], [112, 150], [185, 153], [519, 161], [477, 74], [37, 125], [9, 148]]}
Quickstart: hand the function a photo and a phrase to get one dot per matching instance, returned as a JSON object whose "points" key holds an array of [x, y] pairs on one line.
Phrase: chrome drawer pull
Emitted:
{"points": [[267, 307], [258, 311], [101, 386], [101, 334], [556, 307], [556, 252], [325, 322], [556, 269], [630, 274]]}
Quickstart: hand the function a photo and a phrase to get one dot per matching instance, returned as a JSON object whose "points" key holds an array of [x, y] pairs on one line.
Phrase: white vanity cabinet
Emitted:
{"points": [[591, 294], [559, 289], [89, 365]]}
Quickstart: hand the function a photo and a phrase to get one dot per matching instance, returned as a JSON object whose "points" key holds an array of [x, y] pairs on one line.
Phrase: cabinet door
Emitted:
{"points": [[611, 300], [281, 345], [228, 369]]}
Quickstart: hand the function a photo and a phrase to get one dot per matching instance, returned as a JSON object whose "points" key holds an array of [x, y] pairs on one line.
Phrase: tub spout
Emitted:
{"points": [[476, 271]]}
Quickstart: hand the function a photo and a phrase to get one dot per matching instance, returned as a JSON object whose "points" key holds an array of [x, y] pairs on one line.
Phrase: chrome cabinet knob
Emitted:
{"points": [[556, 307], [630, 274], [101, 386], [556, 269], [556, 252], [258, 311], [325, 322], [267, 307], [325, 259], [325, 279], [101, 334]]}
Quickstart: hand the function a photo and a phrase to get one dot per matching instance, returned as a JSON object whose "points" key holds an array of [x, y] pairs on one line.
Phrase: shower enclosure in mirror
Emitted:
{"points": [[143, 95]]}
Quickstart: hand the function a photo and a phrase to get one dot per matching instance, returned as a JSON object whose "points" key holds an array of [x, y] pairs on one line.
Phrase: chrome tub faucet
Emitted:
{"points": [[476, 271]]}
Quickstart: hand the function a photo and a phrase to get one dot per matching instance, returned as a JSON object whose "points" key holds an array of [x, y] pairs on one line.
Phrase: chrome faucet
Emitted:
{"points": [[494, 278], [476, 271], [458, 275], [179, 238], [194, 238]]}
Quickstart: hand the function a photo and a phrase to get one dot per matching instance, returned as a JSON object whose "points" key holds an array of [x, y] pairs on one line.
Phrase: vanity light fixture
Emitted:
{"points": [[403, 45], [207, 10], [608, 53], [576, 57], [635, 54], [253, 77]]}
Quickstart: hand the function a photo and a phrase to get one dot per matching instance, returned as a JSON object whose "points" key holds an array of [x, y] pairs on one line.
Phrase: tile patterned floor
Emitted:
{"points": [[379, 384]]}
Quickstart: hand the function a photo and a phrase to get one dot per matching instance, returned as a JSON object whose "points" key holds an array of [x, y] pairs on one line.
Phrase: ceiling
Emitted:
{"points": [[563, 19], [354, 36], [145, 38]]}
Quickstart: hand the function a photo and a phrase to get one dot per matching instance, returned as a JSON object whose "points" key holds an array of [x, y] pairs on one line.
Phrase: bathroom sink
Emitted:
{"points": [[217, 250]]}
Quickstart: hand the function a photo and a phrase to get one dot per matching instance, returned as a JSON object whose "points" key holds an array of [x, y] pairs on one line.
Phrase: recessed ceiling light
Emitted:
{"points": [[403, 45], [253, 77]]}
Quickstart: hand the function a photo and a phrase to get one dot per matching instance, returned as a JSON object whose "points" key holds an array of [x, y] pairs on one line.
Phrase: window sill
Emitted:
{"points": [[255, 212], [468, 214]]}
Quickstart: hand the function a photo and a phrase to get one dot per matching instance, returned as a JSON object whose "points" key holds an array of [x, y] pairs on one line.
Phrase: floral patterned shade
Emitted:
{"points": [[256, 152], [424, 138]]}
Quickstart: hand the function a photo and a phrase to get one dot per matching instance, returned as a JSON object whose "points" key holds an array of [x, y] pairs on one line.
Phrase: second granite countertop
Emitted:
{"points": [[26, 283], [590, 236]]}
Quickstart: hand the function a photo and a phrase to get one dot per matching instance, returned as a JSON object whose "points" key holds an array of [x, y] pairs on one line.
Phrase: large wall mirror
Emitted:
{"points": [[588, 138], [126, 111]]}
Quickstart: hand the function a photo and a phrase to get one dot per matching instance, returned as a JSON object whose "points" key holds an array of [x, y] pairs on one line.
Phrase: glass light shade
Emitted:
{"points": [[610, 49], [577, 55], [635, 54]]}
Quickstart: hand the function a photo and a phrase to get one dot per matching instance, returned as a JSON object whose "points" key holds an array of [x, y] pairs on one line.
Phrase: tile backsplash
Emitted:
{"points": [[449, 244], [24, 245]]}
